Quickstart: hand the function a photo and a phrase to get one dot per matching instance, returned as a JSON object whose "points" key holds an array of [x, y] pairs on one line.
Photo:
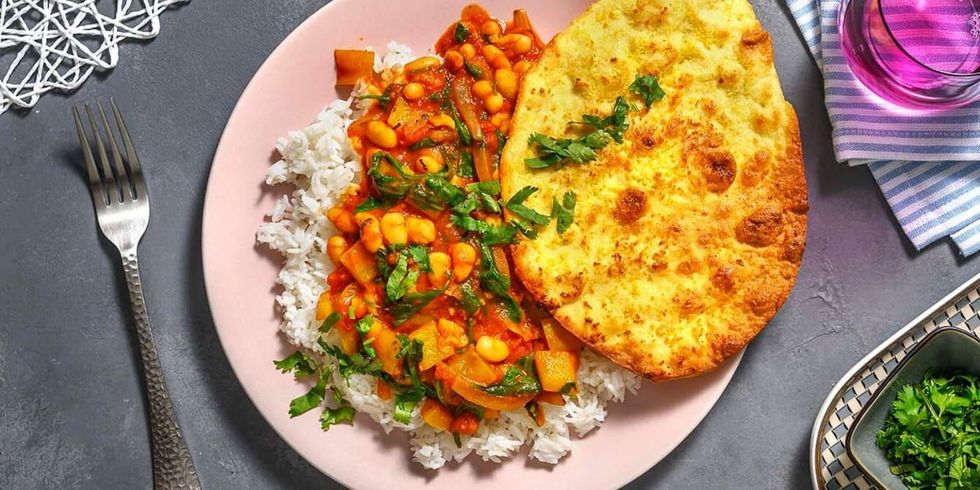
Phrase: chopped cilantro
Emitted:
{"points": [[932, 434], [411, 303], [464, 168], [423, 143], [519, 379], [555, 151], [460, 33], [334, 416], [647, 87], [329, 322], [497, 283], [470, 301], [312, 398], [563, 212], [369, 204], [420, 255], [473, 70], [350, 364], [401, 279], [298, 363]]}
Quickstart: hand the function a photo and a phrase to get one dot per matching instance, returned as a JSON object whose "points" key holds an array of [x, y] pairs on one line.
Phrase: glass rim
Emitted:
{"points": [[888, 29]]}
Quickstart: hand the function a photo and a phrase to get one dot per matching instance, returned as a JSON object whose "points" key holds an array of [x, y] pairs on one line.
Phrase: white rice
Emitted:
{"points": [[320, 164]]}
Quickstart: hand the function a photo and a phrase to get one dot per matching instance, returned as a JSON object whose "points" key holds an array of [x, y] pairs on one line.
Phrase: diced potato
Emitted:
{"points": [[352, 65], [436, 414], [551, 398], [558, 338], [362, 264], [433, 351], [350, 341], [386, 345], [555, 369], [471, 366], [323, 307]]}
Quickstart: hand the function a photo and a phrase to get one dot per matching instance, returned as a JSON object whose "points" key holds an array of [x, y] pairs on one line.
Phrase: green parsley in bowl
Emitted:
{"points": [[921, 430]]}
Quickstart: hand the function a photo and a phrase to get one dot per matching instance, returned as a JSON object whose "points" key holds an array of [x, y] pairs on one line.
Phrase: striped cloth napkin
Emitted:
{"points": [[926, 165]]}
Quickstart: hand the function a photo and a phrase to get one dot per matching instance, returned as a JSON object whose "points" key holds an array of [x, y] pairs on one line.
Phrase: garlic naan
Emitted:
{"points": [[687, 237]]}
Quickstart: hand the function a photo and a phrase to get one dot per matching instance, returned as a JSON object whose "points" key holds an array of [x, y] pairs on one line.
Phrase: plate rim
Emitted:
{"points": [[209, 285]]}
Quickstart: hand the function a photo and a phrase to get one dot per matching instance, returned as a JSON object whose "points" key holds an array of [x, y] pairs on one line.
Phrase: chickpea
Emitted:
{"points": [[382, 135], [454, 59], [522, 66], [442, 120], [468, 51], [420, 230], [393, 228], [506, 81], [500, 62], [336, 246], [490, 28], [342, 219], [464, 257], [482, 89], [371, 235], [413, 91], [423, 63], [500, 120], [492, 349], [440, 264], [431, 163], [522, 44], [494, 103], [491, 52]]}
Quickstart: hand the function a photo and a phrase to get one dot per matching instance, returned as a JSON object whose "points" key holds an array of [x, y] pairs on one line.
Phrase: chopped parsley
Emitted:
{"points": [[340, 415], [647, 87], [526, 218], [563, 212], [420, 255], [312, 398], [932, 434]]}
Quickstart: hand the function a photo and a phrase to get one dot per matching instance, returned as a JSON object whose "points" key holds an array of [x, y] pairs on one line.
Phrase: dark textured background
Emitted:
{"points": [[71, 408]]}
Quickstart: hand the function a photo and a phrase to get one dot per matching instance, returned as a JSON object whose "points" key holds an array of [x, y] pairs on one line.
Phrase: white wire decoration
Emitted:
{"points": [[50, 45]]}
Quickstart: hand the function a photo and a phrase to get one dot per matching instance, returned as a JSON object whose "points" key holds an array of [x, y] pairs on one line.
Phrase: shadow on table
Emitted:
{"points": [[245, 426]]}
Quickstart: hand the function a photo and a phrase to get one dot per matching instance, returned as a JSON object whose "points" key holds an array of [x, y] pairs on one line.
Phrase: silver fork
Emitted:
{"points": [[122, 206]]}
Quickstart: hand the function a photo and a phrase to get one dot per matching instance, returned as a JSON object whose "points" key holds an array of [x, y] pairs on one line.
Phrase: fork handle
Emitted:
{"points": [[172, 464]]}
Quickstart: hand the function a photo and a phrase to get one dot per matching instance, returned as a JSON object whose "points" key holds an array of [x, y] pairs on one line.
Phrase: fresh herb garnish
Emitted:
{"points": [[932, 435], [329, 322], [389, 186], [410, 352], [473, 70], [368, 204], [312, 398], [464, 168], [563, 212], [460, 33], [555, 151], [384, 100], [351, 364], [412, 303], [401, 279], [519, 379], [567, 389], [422, 144], [470, 301], [646, 86], [340, 415], [420, 255], [516, 205], [298, 363], [497, 283]]}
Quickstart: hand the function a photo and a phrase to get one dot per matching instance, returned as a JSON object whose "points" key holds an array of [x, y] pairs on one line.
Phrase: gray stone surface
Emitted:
{"points": [[71, 409]]}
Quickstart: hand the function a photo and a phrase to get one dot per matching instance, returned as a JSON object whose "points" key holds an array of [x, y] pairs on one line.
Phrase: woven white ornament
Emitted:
{"points": [[50, 45]]}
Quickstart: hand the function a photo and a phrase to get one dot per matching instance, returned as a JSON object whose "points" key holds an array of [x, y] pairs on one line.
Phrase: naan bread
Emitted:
{"points": [[688, 236]]}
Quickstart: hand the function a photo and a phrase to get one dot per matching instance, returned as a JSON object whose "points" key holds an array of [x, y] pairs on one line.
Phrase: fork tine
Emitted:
{"points": [[95, 184], [134, 160], [108, 179], [121, 174]]}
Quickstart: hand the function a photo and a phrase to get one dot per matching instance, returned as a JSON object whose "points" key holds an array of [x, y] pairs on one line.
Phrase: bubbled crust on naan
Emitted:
{"points": [[689, 235]]}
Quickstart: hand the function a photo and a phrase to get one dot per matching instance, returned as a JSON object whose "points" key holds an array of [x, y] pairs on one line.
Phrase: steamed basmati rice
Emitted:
{"points": [[320, 164]]}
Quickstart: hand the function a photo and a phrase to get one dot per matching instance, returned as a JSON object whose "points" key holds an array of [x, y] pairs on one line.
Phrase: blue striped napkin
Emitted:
{"points": [[926, 165]]}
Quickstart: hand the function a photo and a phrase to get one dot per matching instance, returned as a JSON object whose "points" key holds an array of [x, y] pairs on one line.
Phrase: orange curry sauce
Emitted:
{"points": [[406, 264]]}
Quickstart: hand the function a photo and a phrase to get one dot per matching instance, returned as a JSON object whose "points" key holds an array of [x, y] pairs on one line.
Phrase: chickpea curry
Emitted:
{"points": [[422, 296]]}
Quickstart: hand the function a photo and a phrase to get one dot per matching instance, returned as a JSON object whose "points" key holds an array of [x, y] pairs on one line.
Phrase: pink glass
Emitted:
{"points": [[921, 54]]}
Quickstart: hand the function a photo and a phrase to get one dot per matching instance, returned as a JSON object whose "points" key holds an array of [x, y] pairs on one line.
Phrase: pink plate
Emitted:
{"points": [[285, 94]]}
